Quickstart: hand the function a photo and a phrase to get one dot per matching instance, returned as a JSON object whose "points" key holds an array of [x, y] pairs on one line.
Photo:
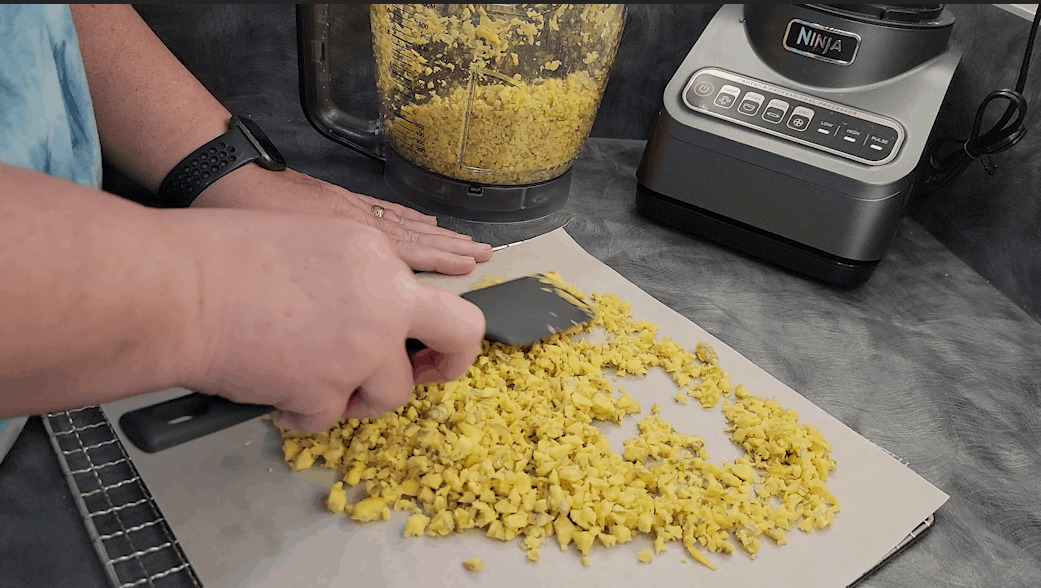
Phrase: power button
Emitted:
{"points": [[704, 88]]}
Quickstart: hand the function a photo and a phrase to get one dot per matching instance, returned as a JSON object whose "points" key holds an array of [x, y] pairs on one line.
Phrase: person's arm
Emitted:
{"points": [[96, 300], [101, 298], [152, 112]]}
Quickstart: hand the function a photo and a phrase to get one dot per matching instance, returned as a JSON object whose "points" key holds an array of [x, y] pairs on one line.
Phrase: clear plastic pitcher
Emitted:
{"points": [[483, 108]]}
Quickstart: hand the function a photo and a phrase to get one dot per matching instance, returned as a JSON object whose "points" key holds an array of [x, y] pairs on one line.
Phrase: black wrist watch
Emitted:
{"points": [[242, 143]]}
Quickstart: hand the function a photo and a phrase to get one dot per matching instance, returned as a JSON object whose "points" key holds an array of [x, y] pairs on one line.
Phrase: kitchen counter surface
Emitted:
{"points": [[926, 360]]}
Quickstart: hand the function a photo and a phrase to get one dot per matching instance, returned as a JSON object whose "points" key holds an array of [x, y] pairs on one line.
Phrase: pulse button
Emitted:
{"points": [[877, 143], [800, 119], [751, 103]]}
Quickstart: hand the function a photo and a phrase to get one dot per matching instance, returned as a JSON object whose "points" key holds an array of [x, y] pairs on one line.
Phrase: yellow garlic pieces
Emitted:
{"points": [[496, 94], [512, 449]]}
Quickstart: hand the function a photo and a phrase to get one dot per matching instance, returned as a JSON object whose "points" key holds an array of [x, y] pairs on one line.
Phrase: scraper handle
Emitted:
{"points": [[166, 424]]}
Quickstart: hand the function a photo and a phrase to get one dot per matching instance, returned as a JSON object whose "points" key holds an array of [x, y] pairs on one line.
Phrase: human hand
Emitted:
{"points": [[415, 237], [153, 112], [300, 311]]}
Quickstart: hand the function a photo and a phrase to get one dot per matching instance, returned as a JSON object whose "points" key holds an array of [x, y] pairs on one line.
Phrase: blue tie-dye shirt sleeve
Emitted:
{"points": [[46, 115]]}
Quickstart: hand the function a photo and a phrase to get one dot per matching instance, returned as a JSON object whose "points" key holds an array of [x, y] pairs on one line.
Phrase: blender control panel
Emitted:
{"points": [[828, 126]]}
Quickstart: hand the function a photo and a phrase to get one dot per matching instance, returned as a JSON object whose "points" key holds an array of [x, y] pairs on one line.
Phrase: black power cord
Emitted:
{"points": [[1005, 133]]}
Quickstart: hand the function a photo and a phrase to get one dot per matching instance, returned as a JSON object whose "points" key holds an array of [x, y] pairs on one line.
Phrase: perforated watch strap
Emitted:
{"points": [[204, 166]]}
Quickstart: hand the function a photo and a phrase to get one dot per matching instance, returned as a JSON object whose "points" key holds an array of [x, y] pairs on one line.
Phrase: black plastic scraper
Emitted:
{"points": [[516, 312]]}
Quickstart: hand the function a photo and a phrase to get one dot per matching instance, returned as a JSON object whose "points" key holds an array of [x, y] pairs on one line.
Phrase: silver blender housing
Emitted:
{"points": [[820, 187]]}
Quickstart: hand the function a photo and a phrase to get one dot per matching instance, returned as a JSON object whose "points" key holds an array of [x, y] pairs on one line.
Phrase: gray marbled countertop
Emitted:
{"points": [[926, 360]]}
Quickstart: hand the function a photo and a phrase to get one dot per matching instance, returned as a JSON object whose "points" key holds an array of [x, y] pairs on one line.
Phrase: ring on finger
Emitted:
{"points": [[377, 210]]}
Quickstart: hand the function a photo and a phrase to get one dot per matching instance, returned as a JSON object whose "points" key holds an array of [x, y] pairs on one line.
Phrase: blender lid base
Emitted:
{"points": [[494, 203]]}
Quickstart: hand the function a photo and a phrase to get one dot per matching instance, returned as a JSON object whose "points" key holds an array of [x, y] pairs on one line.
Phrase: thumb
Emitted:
{"points": [[452, 328]]}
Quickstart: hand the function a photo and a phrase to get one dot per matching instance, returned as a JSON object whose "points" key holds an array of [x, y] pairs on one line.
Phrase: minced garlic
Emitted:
{"points": [[497, 94], [512, 448]]}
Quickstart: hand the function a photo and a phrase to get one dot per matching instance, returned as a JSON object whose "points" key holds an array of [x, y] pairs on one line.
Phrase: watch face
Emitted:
{"points": [[270, 158]]}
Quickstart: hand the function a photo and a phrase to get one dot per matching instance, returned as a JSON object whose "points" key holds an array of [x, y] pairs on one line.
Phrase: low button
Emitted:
{"points": [[800, 118], [826, 127]]}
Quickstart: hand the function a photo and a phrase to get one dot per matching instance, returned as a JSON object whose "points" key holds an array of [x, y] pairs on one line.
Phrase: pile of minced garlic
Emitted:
{"points": [[511, 448], [480, 94], [514, 133]]}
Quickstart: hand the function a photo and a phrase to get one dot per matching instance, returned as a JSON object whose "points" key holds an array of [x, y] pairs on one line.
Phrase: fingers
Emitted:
{"points": [[387, 388], [426, 259], [419, 241], [431, 248], [452, 328], [312, 422], [396, 210], [477, 251], [397, 226], [431, 366], [445, 256], [354, 399], [405, 223]]}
